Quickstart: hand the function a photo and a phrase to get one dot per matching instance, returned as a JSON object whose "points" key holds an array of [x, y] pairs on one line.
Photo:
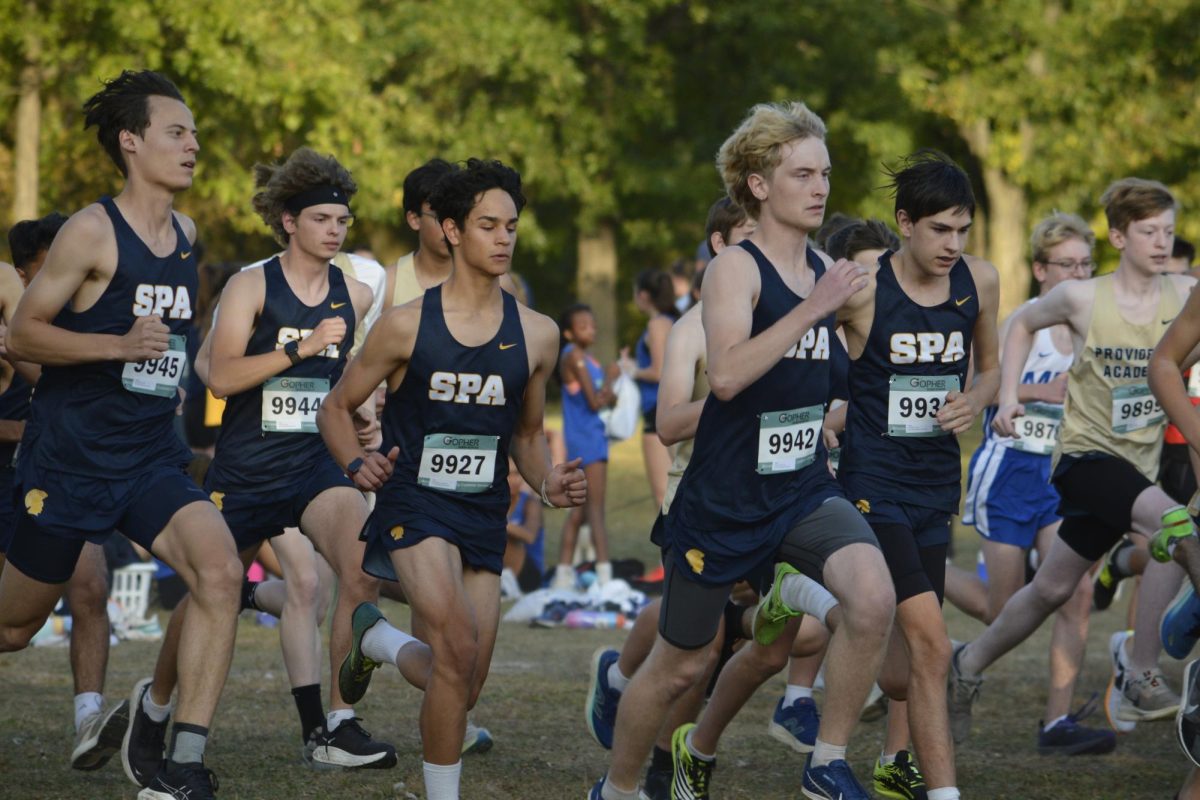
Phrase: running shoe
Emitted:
{"points": [[181, 782], [600, 711], [900, 779], [1181, 625], [657, 785], [772, 614], [1187, 719], [476, 739], [692, 774], [834, 781], [145, 740], [354, 676], [1107, 582], [1176, 525], [961, 694], [597, 791], [796, 725], [1147, 697], [99, 737], [351, 747], [1067, 737], [1116, 684]]}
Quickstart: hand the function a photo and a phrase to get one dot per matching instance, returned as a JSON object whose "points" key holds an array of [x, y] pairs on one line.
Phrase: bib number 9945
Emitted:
{"points": [[160, 376]]}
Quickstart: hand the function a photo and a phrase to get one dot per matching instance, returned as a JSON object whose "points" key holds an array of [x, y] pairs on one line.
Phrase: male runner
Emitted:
{"points": [[909, 338], [757, 487], [280, 340], [466, 369], [1107, 453], [106, 317]]}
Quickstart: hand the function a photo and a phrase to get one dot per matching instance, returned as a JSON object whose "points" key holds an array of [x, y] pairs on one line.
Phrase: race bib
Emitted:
{"points": [[291, 404], [458, 462], [1038, 428], [159, 377], [914, 401], [787, 440], [1134, 408]]}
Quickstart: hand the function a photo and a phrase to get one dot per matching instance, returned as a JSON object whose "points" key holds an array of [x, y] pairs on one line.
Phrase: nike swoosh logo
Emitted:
{"points": [[184, 256], [1191, 709], [1044, 355], [506, 346], [336, 305], [965, 299], [1168, 321]]}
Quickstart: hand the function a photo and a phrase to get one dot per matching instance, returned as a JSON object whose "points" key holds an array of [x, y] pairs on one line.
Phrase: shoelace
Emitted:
{"points": [[1089, 707]]}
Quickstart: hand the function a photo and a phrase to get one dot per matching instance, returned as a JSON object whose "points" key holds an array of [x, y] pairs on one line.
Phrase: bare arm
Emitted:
{"points": [[574, 369], [731, 285], [678, 415], [962, 408], [1178, 349]]}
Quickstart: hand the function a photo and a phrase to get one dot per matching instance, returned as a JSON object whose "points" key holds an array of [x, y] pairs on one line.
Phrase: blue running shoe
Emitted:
{"points": [[834, 781], [601, 709], [1181, 626], [796, 725]]}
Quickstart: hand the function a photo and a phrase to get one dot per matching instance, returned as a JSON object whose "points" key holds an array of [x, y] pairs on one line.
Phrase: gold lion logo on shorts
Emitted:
{"points": [[397, 532], [218, 500], [35, 501], [864, 506], [696, 559]]}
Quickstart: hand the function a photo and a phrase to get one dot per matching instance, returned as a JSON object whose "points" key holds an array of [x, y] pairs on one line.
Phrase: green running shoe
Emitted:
{"points": [[900, 779], [692, 775], [354, 676], [1176, 525], [772, 614]]}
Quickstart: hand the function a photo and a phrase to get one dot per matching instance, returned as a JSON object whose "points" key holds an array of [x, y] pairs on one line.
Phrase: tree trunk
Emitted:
{"points": [[596, 283], [25, 144]]}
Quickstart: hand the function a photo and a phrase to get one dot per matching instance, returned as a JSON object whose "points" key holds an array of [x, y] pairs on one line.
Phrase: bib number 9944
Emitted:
{"points": [[291, 404]]}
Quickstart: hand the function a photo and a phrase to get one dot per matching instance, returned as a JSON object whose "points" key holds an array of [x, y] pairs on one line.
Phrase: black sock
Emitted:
{"points": [[187, 743], [660, 760], [248, 589], [308, 703]]}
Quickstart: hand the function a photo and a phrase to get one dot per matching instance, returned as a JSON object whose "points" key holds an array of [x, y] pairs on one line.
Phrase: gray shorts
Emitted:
{"points": [[691, 612]]}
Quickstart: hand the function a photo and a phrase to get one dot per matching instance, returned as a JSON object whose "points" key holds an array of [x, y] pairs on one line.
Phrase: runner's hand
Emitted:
{"points": [[957, 414], [839, 283], [566, 485], [147, 339], [375, 470], [366, 425], [1056, 390], [332, 330], [1004, 422]]}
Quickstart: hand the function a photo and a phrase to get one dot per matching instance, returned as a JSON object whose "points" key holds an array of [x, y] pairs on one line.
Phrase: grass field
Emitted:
{"points": [[533, 705]]}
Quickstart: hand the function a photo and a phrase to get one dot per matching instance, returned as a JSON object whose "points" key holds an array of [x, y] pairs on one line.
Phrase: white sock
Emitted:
{"points": [[944, 793], [802, 593], [154, 711], [885, 759], [687, 740], [441, 780], [610, 792], [1054, 722], [603, 572], [337, 717], [824, 753], [382, 642], [87, 704], [616, 680], [793, 693]]}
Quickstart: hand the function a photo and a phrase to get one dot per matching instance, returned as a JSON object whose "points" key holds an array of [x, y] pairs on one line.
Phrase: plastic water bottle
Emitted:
{"points": [[586, 618]]}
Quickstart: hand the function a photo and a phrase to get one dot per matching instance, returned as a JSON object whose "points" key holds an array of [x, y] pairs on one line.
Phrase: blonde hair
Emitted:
{"points": [[1055, 229], [1132, 199], [756, 147]]}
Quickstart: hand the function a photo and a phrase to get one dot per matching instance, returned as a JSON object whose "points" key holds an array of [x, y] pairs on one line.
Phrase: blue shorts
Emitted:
{"points": [[1009, 495], [592, 446], [63, 510], [254, 517], [387, 530], [8, 507]]}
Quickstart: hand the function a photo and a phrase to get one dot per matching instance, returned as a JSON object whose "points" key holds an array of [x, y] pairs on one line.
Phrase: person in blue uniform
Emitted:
{"points": [[910, 337], [106, 318], [281, 338], [466, 369], [757, 490]]}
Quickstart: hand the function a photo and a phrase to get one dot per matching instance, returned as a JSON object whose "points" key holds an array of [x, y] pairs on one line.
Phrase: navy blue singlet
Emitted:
{"points": [[726, 507], [451, 391], [14, 405], [83, 420], [907, 339], [839, 371], [248, 458]]}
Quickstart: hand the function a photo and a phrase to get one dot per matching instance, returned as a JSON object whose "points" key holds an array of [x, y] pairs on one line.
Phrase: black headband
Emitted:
{"points": [[317, 195]]}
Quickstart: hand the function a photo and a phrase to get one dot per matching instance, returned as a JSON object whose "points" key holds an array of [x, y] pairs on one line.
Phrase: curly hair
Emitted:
{"points": [[756, 147], [304, 169], [459, 190]]}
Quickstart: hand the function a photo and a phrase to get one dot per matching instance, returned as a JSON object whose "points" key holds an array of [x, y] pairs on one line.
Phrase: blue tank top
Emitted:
{"points": [[455, 401], [249, 458], [907, 339], [83, 419], [579, 420], [14, 405], [647, 389], [726, 487]]}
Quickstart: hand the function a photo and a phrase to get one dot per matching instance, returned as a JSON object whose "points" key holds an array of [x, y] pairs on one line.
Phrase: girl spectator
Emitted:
{"points": [[654, 295]]}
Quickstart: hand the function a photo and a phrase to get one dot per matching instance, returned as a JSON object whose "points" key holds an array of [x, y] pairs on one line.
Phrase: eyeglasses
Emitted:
{"points": [[1086, 265]]}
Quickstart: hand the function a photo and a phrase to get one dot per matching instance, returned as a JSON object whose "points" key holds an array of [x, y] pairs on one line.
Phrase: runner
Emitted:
{"points": [[106, 317], [466, 369], [909, 338]]}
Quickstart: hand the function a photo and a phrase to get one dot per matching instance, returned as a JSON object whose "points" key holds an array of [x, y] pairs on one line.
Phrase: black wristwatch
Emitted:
{"points": [[292, 349], [354, 466]]}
